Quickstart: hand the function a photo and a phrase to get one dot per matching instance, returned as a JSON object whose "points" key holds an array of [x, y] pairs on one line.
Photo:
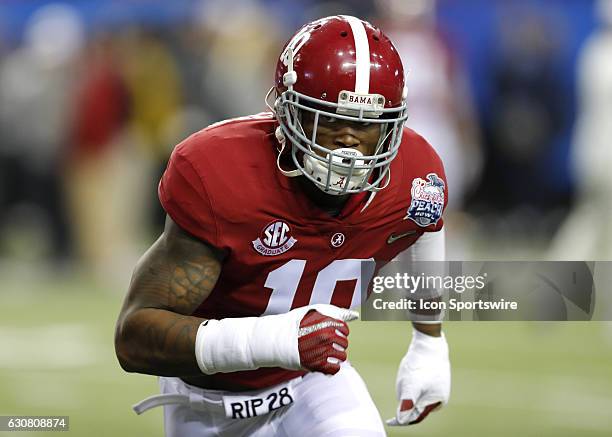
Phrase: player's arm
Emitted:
{"points": [[430, 246], [423, 378], [155, 333], [431, 329]]}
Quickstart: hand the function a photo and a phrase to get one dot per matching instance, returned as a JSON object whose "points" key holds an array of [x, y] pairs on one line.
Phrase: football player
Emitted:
{"points": [[241, 306]]}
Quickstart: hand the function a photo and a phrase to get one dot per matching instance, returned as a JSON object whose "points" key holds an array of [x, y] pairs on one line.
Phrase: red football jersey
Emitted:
{"points": [[282, 251]]}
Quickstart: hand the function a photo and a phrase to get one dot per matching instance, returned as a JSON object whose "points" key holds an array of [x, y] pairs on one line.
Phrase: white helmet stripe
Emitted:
{"points": [[362, 55]]}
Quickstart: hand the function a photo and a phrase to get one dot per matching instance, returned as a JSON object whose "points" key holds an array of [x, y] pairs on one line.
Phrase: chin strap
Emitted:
{"points": [[283, 143], [370, 199], [374, 192]]}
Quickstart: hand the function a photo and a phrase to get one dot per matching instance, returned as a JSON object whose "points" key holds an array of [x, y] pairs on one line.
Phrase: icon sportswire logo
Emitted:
{"points": [[274, 239]]}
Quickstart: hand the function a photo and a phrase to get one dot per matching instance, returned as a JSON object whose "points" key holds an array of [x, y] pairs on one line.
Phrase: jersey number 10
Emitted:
{"points": [[285, 280]]}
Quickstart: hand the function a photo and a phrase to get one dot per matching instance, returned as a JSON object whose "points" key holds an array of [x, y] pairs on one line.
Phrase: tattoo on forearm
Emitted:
{"points": [[168, 334], [190, 283], [172, 280]]}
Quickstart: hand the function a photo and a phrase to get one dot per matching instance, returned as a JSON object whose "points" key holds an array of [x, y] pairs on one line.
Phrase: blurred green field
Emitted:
{"points": [[510, 379]]}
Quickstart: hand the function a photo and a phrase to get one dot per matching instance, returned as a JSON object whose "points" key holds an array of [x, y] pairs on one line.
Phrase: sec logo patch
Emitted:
{"points": [[275, 239]]}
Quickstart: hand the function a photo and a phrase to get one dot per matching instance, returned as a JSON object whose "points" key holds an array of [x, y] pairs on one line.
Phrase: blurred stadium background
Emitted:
{"points": [[516, 96]]}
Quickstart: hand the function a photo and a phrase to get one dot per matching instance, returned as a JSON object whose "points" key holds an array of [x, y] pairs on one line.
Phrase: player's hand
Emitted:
{"points": [[322, 338], [311, 337], [423, 379]]}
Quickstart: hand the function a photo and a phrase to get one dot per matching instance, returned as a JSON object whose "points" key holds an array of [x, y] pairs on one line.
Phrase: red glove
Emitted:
{"points": [[322, 340]]}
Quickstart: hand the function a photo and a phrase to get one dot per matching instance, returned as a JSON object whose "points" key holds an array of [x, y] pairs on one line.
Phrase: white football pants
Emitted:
{"points": [[324, 406]]}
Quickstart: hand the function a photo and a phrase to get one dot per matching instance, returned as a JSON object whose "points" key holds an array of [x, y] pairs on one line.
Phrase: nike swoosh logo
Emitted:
{"points": [[394, 237]]}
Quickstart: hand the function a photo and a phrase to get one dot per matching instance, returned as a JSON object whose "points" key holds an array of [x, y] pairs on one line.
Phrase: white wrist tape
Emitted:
{"points": [[247, 343]]}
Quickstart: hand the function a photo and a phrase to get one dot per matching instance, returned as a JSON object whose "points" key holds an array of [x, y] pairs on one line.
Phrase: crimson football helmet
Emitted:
{"points": [[340, 67]]}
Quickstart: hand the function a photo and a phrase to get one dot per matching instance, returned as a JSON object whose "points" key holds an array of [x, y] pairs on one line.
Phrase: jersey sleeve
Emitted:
{"points": [[183, 196], [431, 246], [429, 167], [442, 174]]}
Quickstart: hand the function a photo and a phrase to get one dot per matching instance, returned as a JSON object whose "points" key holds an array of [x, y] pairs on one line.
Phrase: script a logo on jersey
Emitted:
{"points": [[427, 200], [274, 239]]}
